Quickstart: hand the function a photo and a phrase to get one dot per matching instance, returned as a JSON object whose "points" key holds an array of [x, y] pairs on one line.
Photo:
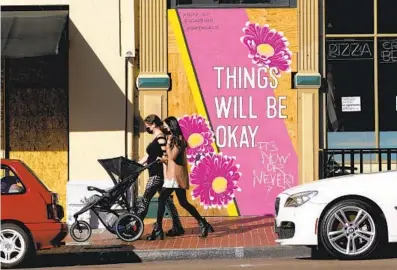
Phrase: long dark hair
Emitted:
{"points": [[177, 138], [153, 119]]}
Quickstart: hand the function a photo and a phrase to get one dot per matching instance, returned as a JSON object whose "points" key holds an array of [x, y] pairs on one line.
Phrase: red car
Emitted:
{"points": [[30, 215]]}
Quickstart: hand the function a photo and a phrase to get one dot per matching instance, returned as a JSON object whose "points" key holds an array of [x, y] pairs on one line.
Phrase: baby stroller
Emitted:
{"points": [[111, 206]]}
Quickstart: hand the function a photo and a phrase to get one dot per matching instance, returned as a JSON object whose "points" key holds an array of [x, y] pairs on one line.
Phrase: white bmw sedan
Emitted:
{"points": [[348, 216]]}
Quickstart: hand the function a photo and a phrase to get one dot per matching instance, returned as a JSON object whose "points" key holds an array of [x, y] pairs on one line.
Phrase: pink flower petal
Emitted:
{"points": [[210, 167], [191, 124], [256, 35]]}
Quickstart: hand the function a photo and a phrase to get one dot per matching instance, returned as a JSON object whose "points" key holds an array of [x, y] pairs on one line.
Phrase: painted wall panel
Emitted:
{"points": [[231, 89]]}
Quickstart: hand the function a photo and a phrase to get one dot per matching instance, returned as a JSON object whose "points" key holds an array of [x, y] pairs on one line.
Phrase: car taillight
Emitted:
{"points": [[52, 208]]}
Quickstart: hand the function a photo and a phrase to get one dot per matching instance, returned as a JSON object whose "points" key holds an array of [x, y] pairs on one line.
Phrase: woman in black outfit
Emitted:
{"points": [[154, 150], [176, 179]]}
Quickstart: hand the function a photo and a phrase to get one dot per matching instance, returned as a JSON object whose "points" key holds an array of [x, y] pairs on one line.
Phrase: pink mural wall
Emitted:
{"points": [[238, 65]]}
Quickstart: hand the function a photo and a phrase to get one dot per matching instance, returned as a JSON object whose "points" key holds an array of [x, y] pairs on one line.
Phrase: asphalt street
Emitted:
{"points": [[272, 264]]}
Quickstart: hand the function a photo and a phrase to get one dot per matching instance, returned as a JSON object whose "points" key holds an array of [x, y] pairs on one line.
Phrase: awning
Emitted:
{"points": [[32, 33]]}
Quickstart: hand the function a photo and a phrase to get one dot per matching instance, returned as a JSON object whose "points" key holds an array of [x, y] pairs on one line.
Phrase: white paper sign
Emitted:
{"points": [[351, 104]]}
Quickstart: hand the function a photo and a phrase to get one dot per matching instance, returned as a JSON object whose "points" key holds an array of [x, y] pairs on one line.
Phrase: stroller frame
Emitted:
{"points": [[124, 173]]}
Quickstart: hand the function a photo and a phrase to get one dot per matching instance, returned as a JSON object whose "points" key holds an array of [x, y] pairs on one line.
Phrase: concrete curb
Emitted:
{"points": [[223, 253], [201, 253]]}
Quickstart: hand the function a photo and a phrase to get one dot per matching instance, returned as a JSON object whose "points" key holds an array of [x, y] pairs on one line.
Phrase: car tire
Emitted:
{"points": [[358, 237], [17, 239]]}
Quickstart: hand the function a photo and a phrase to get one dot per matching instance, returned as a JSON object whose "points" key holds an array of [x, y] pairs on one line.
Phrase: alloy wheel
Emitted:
{"points": [[12, 246], [351, 230]]}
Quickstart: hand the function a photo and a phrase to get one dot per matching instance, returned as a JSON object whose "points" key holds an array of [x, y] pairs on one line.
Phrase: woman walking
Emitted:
{"points": [[156, 149], [176, 179]]}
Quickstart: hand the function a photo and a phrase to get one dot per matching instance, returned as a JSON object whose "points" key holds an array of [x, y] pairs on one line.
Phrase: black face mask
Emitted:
{"points": [[166, 132], [148, 130]]}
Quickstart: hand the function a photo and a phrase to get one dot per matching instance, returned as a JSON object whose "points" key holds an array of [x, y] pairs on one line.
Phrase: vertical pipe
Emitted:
{"points": [[376, 75], [126, 107]]}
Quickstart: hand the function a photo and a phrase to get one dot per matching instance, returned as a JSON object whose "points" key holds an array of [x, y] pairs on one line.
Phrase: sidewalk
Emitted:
{"points": [[229, 232], [234, 238]]}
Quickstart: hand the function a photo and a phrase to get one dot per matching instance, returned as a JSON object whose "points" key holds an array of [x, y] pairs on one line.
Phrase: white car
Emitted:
{"points": [[348, 216]]}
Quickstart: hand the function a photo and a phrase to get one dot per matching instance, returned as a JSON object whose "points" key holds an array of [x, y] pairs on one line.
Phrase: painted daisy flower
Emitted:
{"points": [[199, 136], [267, 47], [216, 177]]}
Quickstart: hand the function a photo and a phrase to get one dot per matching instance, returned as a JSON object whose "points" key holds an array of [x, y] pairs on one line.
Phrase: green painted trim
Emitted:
{"points": [[307, 80], [153, 82]]}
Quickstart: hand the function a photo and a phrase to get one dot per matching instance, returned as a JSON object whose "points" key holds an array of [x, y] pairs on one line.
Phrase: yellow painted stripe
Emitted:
{"points": [[180, 41], [173, 17]]}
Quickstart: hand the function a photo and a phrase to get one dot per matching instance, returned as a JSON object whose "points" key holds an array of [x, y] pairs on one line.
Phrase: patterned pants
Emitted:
{"points": [[155, 184]]}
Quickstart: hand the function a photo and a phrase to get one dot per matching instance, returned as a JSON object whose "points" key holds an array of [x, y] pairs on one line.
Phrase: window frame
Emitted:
{"points": [[377, 19], [5, 167], [375, 35], [173, 4], [350, 34]]}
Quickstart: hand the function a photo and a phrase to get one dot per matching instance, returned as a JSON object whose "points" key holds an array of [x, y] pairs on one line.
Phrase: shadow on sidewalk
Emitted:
{"points": [[235, 226], [387, 252], [87, 256], [222, 231], [241, 221]]}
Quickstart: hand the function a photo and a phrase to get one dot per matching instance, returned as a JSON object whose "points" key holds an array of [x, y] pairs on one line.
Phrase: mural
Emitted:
{"points": [[241, 133]]}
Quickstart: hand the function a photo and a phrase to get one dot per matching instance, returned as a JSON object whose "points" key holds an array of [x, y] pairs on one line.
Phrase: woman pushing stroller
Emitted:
{"points": [[176, 178], [156, 149]]}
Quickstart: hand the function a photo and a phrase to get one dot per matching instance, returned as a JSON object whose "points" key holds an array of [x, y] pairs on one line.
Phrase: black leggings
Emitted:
{"points": [[154, 185], [181, 195]]}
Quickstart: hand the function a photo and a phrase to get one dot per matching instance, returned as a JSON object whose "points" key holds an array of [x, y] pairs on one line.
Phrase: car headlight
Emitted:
{"points": [[298, 199]]}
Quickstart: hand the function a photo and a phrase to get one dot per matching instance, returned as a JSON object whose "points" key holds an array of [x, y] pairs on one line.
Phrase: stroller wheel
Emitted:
{"points": [[129, 227], [80, 231]]}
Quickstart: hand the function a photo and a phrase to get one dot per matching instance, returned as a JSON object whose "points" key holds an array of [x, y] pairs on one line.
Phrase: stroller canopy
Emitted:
{"points": [[120, 168]]}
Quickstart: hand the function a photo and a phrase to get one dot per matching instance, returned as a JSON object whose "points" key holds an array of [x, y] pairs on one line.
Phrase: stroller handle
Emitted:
{"points": [[152, 163]]}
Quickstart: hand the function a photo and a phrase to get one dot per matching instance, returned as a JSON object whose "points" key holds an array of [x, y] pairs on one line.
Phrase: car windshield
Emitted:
{"points": [[34, 174]]}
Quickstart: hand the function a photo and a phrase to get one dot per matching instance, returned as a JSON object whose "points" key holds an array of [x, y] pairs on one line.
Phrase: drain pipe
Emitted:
{"points": [[129, 120], [129, 107]]}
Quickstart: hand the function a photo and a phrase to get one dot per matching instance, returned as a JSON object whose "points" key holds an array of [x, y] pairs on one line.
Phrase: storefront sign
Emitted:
{"points": [[388, 51], [349, 49], [351, 104]]}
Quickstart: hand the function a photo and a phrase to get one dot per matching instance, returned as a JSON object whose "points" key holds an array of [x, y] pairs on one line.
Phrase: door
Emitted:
{"points": [[14, 196]]}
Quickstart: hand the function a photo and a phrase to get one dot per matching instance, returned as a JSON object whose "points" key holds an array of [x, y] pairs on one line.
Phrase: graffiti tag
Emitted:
{"points": [[272, 174]]}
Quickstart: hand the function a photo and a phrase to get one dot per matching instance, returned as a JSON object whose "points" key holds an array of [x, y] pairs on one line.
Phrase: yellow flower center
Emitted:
{"points": [[265, 50], [219, 184], [195, 140]]}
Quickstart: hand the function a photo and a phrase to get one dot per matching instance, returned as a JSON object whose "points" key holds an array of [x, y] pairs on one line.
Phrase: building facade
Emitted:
{"points": [[267, 93], [272, 94], [67, 108], [358, 59], [227, 72]]}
